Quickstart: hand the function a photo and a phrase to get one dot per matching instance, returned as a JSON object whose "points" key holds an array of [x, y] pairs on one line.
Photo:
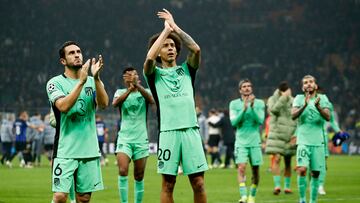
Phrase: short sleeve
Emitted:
{"points": [[54, 91]]}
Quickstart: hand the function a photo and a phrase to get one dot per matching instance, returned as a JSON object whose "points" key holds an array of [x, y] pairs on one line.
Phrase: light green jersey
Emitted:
{"points": [[247, 123], [310, 127], [173, 91], [133, 118], [75, 130]]}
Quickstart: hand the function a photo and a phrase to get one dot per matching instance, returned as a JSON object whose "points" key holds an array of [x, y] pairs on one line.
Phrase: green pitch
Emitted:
{"points": [[19, 185]]}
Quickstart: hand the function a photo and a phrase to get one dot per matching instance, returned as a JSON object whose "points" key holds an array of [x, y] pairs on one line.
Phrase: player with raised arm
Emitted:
{"points": [[132, 141], [247, 114], [172, 86], [74, 97], [312, 110]]}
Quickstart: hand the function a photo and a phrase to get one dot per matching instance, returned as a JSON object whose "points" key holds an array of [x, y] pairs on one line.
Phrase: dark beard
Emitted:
{"points": [[75, 67]]}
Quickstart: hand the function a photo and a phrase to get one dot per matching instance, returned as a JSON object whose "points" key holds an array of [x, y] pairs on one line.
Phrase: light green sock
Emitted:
{"points": [[322, 176], [314, 186], [287, 181], [253, 190], [242, 189], [277, 180], [72, 192], [139, 191], [301, 182], [123, 188]]}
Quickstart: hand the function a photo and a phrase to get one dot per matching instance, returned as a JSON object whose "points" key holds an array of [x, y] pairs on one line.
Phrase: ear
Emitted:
{"points": [[316, 86], [63, 61]]}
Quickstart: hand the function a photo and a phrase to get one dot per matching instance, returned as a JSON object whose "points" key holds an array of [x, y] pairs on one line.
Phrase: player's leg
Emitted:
{"points": [[302, 163], [88, 178], [287, 174], [317, 163], [255, 161], [241, 158], [197, 184], [167, 188], [275, 169], [123, 155], [194, 162], [62, 178], [141, 153], [322, 176]]}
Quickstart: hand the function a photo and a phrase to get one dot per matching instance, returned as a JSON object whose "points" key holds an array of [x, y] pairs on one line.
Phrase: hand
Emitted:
{"points": [[293, 140], [166, 15], [246, 100], [131, 87], [307, 98], [317, 102], [96, 67], [168, 27], [251, 99], [84, 72]]}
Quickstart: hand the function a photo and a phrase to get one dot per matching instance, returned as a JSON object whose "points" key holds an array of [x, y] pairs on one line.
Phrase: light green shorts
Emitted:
{"points": [[181, 146], [134, 151], [253, 154], [312, 157], [85, 172]]}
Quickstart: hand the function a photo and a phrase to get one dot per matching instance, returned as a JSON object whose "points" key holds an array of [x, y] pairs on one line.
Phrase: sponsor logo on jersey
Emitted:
{"points": [[161, 165], [56, 181]]}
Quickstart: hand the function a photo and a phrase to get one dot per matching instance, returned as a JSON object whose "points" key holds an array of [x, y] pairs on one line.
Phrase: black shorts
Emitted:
{"points": [[48, 147], [214, 140], [20, 146]]}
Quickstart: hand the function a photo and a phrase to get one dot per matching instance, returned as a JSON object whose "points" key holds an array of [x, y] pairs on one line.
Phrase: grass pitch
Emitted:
{"points": [[19, 185]]}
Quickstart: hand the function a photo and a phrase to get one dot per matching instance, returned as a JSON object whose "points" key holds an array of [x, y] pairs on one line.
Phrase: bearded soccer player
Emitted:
{"points": [[172, 87], [132, 141], [74, 97], [312, 111], [247, 114]]}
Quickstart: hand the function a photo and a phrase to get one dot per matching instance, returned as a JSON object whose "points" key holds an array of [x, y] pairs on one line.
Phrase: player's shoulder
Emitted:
{"points": [[235, 101], [57, 78], [260, 101], [299, 96]]}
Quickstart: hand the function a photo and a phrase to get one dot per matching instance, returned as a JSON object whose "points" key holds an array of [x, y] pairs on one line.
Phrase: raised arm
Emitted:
{"points": [[296, 111], [150, 61], [194, 56], [118, 101], [236, 115]]}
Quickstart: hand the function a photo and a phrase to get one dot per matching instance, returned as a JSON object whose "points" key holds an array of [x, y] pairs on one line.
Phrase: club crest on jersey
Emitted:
{"points": [[56, 181], [88, 91], [180, 71]]}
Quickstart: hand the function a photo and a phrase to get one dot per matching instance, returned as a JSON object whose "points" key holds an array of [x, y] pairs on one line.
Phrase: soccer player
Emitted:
{"points": [[102, 134], [247, 114], [132, 143], [172, 86], [7, 138], [281, 134], [312, 110], [74, 97], [22, 147]]}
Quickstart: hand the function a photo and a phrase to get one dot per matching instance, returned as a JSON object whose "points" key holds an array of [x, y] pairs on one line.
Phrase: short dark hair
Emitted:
{"points": [[129, 68], [62, 49], [244, 81], [283, 86], [173, 36]]}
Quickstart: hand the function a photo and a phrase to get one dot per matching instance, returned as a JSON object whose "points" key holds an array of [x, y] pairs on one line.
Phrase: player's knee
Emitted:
{"points": [[315, 174], [168, 184], [198, 185], [139, 175], [60, 197], [123, 171], [84, 197], [301, 171]]}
